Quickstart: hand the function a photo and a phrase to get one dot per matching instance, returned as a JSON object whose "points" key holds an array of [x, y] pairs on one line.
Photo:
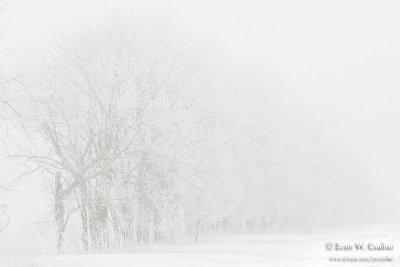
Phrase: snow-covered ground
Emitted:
{"points": [[308, 249]]}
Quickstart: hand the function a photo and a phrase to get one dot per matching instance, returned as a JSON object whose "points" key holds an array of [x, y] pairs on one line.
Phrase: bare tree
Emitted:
{"points": [[6, 107], [102, 107]]}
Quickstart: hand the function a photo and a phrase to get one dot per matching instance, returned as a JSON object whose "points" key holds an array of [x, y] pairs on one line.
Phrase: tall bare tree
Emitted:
{"points": [[6, 109], [107, 108]]}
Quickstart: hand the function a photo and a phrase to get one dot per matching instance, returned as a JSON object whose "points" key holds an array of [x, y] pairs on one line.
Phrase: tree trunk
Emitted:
{"points": [[59, 210], [84, 216], [197, 228]]}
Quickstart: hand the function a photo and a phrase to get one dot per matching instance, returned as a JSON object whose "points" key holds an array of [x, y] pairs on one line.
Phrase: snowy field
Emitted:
{"points": [[275, 250]]}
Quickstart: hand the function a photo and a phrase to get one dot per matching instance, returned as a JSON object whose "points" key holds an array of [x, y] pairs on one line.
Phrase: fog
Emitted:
{"points": [[302, 96]]}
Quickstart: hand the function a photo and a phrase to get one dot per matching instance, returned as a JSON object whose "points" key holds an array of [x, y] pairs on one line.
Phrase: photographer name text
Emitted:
{"points": [[359, 246]]}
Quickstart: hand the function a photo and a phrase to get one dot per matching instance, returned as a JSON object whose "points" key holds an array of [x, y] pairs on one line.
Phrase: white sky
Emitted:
{"points": [[340, 57]]}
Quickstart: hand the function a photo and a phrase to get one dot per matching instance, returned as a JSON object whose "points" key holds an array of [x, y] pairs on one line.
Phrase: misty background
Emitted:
{"points": [[304, 95]]}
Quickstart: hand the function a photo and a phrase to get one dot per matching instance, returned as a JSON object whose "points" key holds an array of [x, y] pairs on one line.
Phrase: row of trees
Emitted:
{"points": [[115, 122], [121, 121]]}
